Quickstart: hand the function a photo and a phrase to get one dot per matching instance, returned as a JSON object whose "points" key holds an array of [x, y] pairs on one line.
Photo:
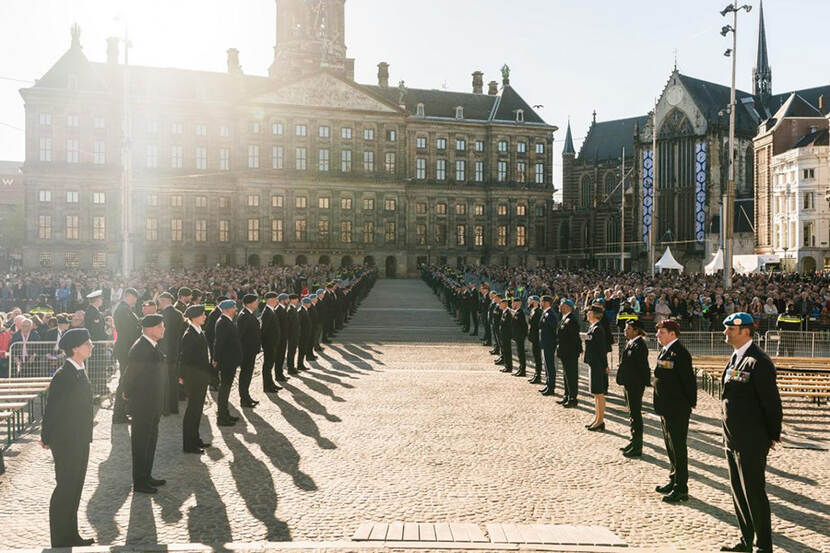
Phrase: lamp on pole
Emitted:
{"points": [[729, 193]]}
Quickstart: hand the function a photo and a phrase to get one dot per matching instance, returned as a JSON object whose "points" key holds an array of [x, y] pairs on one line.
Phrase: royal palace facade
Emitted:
{"points": [[301, 166]]}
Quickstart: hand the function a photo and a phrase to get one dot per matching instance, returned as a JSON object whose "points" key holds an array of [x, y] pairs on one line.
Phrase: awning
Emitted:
{"points": [[668, 262]]}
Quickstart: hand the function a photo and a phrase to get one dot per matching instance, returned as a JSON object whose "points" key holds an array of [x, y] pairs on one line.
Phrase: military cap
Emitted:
{"points": [[739, 319], [151, 320], [249, 298], [73, 338], [271, 295], [227, 304], [670, 325], [636, 323], [312, 296], [597, 309], [533, 298], [307, 300], [548, 299], [567, 302], [293, 297], [197, 292], [516, 299], [166, 296], [320, 292], [131, 291], [194, 311], [185, 291], [95, 294]]}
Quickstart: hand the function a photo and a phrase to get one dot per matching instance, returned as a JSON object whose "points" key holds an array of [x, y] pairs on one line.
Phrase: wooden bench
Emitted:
{"points": [[17, 395]]}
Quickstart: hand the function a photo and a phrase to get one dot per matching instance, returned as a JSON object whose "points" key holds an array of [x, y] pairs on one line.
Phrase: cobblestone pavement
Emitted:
{"points": [[405, 418]]}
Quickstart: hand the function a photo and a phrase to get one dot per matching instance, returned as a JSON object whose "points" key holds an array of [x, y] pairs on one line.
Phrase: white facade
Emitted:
{"points": [[801, 214]]}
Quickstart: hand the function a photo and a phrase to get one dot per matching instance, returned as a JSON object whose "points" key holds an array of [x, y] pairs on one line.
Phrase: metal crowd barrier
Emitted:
{"points": [[793, 343], [42, 359]]}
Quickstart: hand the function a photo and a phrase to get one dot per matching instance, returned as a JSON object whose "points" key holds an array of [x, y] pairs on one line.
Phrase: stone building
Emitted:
{"points": [[302, 166], [11, 213]]}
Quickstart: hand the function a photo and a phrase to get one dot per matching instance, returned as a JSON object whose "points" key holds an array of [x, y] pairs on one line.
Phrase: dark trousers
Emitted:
{"points": [[537, 356], [144, 435], [196, 385], [279, 362], [488, 338], [634, 400], [226, 376], [465, 320], [749, 495], [549, 359], [246, 374], [302, 350], [570, 370], [119, 409], [520, 348], [507, 353], [316, 333], [291, 352], [269, 355], [675, 432], [171, 397], [496, 340], [70, 472], [474, 317]]}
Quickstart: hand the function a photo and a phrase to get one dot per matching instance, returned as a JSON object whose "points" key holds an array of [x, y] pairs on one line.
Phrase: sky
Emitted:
{"points": [[572, 57]]}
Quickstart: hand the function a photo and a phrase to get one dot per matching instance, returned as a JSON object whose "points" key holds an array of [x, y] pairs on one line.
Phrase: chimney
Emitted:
{"points": [[383, 74], [492, 88], [112, 50], [478, 82], [233, 62], [821, 106]]}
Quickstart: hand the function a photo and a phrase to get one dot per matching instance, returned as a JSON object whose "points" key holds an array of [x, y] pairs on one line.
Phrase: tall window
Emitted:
{"points": [[224, 159], [45, 149], [72, 150], [201, 202], [253, 156], [345, 203], [151, 229], [277, 200], [323, 132], [301, 202], [201, 129], [502, 146], [501, 173], [460, 170], [300, 130], [479, 146], [277, 128], [346, 133], [201, 157], [479, 171], [521, 210], [540, 148], [461, 234], [44, 195], [44, 227], [369, 232], [368, 134], [479, 235], [323, 230], [460, 144], [71, 196], [346, 161], [175, 128], [521, 235], [253, 200], [176, 230], [300, 229], [441, 208], [346, 232], [390, 162], [323, 160], [45, 118], [72, 259], [460, 208], [521, 171], [253, 230], [441, 144], [369, 162], [421, 234], [276, 230], [420, 208], [72, 120], [176, 157], [441, 234], [389, 231], [421, 142], [73, 227], [479, 209], [502, 209], [420, 168], [201, 230], [99, 152], [99, 198], [501, 235], [277, 157], [323, 202], [391, 204], [521, 147], [300, 158], [441, 169], [224, 230], [540, 173]]}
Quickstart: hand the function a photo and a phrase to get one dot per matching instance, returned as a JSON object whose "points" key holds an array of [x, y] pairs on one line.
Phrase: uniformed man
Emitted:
{"points": [[495, 323], [675, 395], [292, 331], [94, 322], [533, 335], [282, 346], [506, 331], [169, 345], [195, 298], [473, 307], [227, 354], [788, 323], [195, 368], [210, 333], [568, 349], [42, 307], [149, 307], [751, 409], [304, 335], [249, 335], [548, 324], [270, 337], [127, 330], [316, 328], [185, 295], [634, 374], [67, 432], [484, 310], [519, 335], [144, 384]]}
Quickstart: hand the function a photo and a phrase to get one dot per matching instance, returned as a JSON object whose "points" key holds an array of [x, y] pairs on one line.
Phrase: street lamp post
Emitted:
{"points": [[729, 194]]}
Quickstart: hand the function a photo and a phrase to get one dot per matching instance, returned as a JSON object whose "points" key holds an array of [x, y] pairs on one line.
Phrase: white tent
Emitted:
{"points": [[668, 262], [715, 265]]}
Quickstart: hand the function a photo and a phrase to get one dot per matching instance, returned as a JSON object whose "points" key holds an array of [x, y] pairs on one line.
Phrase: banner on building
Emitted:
{"points": [[648, 192], [700, 190]]}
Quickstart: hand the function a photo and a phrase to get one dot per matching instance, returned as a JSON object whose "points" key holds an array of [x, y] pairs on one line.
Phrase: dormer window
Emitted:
{"points": [[420, 110], [459, 112], [520, 116]]}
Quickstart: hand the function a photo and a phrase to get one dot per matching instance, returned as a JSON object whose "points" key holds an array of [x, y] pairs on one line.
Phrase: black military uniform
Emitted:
{"points": [[535, 346], [518, 335], [127, 330], [304, 335], [227, 352], [596, 357], [173, 328], [292, 333], [67, 430], [675, 395], [249, 335], [282, 345], [548, 325], [495, 324], [195, 368], [316, 328], [270, 337], [210, 334], [568, 349], [506, 336], [634, 374], [484, 312], [472, 307], [144, 387], [751, 409]]}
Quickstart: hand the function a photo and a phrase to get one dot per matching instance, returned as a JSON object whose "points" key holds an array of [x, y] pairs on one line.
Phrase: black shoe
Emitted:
{"points": [[571, 404], [676, 497], [664, 489], [520, 373], [225, 421], [506, 370], [740, 546], [84, 542], [302, 368], [562, 401], [326, 341], [281, 378], [625, 447], [272, 389], [598, 428], [633, 452], [318, 349], [249, 403], [196, 450], [473, 333], [494, 352], [144, 488], [535, 380], [292, 371], [546, 392], [156, 482]]}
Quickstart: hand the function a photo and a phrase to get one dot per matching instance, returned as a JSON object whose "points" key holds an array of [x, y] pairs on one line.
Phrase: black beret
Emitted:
{"points": [[131, 291], [547, 299], [151, 320], [194, 311], [636, 323], [185, 291], [270, 295], [249, 298], [73, 338], [167, 296], [293, 297], [597, 309]]}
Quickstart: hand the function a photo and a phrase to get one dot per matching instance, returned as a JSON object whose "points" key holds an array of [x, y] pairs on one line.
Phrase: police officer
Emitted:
{"points": [[751, 409], [173, 328], [127, 330], [249, 335], [506, 331], [675, 395], [548, 324], [67, 432], [519, 334], [533, 335], [634, 374], [788, 323], [144, 389], [227, 354], [568, 349], [270, 337], [195, 368]]}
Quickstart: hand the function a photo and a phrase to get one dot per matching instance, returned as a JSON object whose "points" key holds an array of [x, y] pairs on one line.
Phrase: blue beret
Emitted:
{"points": [[312, 296], [739, 319], [534, 298], [320, 292], [227, 304], [306, 300], [73, 338], [568, 302], [282, 296]]}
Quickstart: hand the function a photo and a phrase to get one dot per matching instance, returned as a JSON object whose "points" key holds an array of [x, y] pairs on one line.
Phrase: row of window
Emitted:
{"points": [[72, 227], [72, 197], [72, 120], [73, 150], [73, 259]]}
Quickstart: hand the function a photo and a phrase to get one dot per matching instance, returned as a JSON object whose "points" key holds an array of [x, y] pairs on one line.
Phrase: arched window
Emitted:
{"points": [[608, 185], [749, 173], [585, 191], [612, 233]]}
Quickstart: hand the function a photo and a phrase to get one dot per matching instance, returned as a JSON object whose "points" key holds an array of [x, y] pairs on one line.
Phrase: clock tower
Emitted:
{"points": [[310, 36]]}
